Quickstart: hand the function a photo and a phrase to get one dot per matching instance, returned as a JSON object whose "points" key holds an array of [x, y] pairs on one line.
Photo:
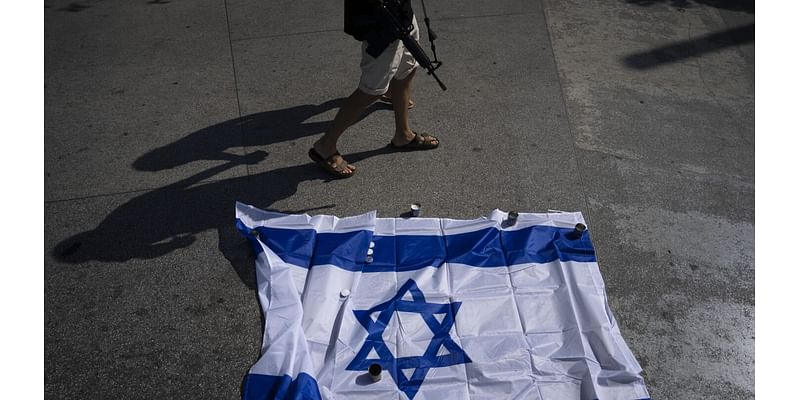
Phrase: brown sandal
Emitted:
{"points": [[421, 141], [337, 169], [388, 100]]}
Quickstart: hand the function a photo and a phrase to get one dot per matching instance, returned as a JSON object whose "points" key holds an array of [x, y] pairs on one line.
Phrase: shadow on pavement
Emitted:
{"points": [[255, 130], [691, 48], [167, 219], [748, 6], [74, 7]]}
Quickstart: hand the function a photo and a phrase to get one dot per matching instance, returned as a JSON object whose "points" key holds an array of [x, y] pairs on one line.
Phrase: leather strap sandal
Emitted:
{"points": [[421, 141], [336, 167]]}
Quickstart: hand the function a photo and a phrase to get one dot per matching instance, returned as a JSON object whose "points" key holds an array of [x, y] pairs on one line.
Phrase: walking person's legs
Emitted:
{"points": [[390, 73], [400, 90], [352, 109]]}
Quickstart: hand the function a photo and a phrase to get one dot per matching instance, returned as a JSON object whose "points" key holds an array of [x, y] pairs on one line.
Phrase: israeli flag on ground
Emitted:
{"points": [[432, 308]]}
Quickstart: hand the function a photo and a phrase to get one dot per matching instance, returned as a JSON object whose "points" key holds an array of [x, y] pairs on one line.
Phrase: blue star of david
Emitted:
{"points": [[421, 364]]}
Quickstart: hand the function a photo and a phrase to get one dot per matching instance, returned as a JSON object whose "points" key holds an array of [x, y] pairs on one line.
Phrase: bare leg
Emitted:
{"points": [[352, 109], [401, 93], [387, 98]]}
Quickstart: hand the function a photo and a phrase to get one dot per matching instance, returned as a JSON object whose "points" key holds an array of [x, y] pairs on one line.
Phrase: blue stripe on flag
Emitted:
{"points": [[268, 387], [488, 247], [295, 246], [481, 248], [541, 244], [344, 250], [407, 253]]}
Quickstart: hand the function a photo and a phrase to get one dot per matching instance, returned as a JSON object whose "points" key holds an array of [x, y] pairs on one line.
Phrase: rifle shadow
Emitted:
{"points": [[166, 219], [692, 48], [747, 6]]}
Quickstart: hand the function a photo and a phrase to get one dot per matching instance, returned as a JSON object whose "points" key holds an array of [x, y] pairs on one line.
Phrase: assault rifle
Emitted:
{"points": [[404, 34]]}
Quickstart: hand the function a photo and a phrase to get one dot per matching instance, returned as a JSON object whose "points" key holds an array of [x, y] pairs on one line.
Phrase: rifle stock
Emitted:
{"points": [[404, 34], [422, 58]]}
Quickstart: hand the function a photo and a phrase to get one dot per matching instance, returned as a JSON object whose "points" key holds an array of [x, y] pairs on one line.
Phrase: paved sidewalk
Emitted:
{"points": [[160, 114]]}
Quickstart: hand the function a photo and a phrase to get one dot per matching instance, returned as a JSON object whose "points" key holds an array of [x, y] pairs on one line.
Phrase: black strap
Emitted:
{"points": [[431, 35]]}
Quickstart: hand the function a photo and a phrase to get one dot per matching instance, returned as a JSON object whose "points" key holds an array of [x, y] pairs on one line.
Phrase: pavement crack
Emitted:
{"points": [[567, 114], [236, 85]]}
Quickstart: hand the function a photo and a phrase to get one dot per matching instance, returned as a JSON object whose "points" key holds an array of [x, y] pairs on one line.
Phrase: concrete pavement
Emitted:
{"points": [[160, 114]]}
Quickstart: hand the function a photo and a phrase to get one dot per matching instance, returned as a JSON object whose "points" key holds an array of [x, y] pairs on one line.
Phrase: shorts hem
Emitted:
{"points": [[372, 92]]}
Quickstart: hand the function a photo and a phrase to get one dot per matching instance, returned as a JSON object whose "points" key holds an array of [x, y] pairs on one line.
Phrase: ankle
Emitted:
{"points": [[325, 148], [405, 134]]}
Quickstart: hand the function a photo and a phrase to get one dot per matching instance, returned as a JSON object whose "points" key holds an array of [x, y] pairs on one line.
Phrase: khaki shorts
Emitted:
{"points": [[395, 62]]}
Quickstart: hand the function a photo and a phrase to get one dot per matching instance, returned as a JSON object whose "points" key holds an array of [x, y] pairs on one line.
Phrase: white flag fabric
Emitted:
{"points": [[438, 308]]}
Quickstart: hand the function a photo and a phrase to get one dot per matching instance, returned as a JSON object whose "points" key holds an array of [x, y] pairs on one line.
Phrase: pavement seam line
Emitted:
{"points": [[236, 87], [95, 196], [280, 35], [134, 191], [485, 16], [570, 127]]}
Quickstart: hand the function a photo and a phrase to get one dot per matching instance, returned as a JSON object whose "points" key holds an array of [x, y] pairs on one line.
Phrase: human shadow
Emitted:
{"points": [[691, 48], [169, 218], [258, 130]]}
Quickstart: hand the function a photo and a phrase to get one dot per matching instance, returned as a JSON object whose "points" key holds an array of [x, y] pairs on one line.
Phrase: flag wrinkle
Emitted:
{"points": [[585, 358]]}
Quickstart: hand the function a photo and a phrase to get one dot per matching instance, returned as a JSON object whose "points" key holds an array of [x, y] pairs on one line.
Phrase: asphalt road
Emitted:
{"points": [[160, 114]]}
